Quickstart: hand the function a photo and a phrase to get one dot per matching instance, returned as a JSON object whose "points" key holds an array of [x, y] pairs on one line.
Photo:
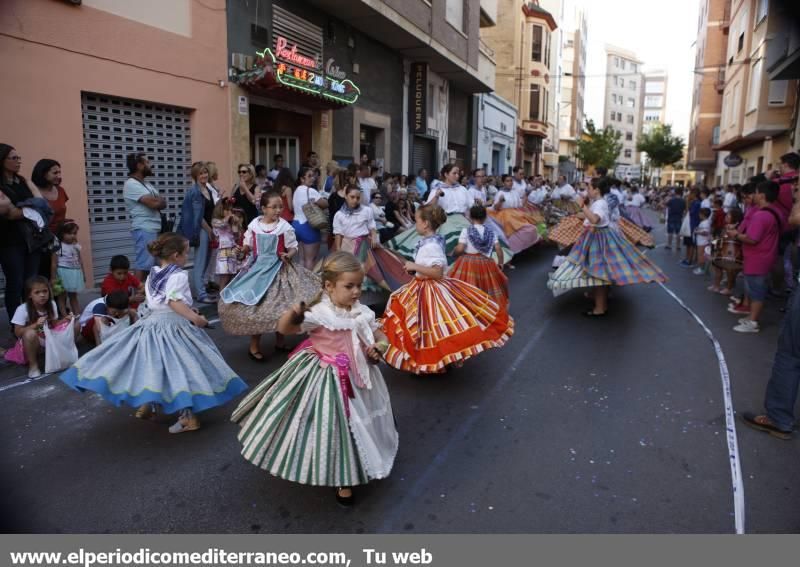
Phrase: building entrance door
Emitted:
{"points": [[266, 146]]}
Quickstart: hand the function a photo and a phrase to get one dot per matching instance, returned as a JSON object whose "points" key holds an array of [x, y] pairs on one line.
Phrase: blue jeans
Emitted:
{"points": [[202, 255], [782, 388], [18, 265]]}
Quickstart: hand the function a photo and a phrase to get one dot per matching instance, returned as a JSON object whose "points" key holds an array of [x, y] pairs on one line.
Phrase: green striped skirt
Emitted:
{"points": [[295, 426]]}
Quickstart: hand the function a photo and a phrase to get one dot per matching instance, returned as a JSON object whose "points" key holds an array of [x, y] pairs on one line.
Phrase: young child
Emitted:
{"points": [[718, 217], [434, 321], [324, 418], [732, 220], [29, 320], [602, 256], [166, 359], [476, 266], [69, 267], [227, 227], [355, 231], [702, 238], [270, 283], [106, 316], [119, 278]]}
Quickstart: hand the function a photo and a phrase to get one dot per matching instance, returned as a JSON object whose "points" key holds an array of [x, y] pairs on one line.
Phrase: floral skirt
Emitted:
{"points": [[227, 262], [292, 284], [432, 323]]}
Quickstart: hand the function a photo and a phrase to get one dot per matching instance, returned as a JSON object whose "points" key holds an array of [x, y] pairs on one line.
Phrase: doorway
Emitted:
{"points": [[266, 146]]}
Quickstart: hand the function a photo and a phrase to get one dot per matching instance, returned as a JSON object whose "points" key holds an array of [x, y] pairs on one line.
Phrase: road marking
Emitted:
{"points": [[26, 381], [730, 423], [413, 494]]}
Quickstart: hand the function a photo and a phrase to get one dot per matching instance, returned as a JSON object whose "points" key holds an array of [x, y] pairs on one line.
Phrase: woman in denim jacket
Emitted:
{"points": [[195, 225]]}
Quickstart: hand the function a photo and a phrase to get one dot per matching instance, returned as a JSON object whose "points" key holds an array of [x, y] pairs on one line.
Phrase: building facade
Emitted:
{"points": [[624, 100], [709, 83], [392, 80], [497, 127], [98, 99], [573, 89], [522, 42], [654, 109], [757, 113]]}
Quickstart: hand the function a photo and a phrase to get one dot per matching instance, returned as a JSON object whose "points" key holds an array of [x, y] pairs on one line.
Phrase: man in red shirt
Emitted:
{"points": [[760, 248], [120, 279]]}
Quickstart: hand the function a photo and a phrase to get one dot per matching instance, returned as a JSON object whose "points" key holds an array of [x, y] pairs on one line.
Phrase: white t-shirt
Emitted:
{"points": [[69, 256], [431, 254], [303, 195], [177, 289], [463, 238], [600, 208], [705, 228], [637, 200], [456, 199], [273, 173], [729, 202], [478, 193], [368, 187], [508, 200], [281, 227], [354, 225], [706, 204], [567, 192], [20, 317], [520, 188], [537, 196]]}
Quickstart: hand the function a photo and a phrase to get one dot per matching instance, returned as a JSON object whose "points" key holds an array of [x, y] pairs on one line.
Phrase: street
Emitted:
{"points": [[613, 425]]}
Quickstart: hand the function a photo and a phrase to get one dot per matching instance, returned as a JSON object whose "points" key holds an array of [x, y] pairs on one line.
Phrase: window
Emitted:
{"points": [[631, 103], [536, 44], [777, 93], [633, 67], [433, 104], [545, 112], [737, 96], [632, 85], [740, 43], [533, 112], [623, 65], [653, 100], [613, 115], [628, 136], [630, 118], [616, 61], [614, 98], [547, 39], [754, 88], [621, 82], [762, 6], [628, 153], [715, 136], [454, 13]]}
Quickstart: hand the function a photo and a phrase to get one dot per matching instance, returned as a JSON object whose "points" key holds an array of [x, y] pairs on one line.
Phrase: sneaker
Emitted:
{"points": [[747, 326], [764, 423], [738, 309], [34, 373], [185, 424], [713, 288], [685, 264], [698, 271]]}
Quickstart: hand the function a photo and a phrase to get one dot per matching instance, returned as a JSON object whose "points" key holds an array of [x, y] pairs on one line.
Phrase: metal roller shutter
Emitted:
{"points": [[112, 128], [422, 156]]}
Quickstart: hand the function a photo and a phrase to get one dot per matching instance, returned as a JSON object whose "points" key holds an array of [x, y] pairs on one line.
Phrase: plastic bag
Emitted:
{"points": [[686, 227], [108, 331], [16, 354], [59, 346]]}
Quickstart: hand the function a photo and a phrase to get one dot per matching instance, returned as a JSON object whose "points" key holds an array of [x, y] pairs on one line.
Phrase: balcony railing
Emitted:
{"points": [[484, 47]]}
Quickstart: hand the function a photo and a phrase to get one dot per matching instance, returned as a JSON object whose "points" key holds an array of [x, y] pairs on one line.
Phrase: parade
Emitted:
{"points": [[372, 320]]}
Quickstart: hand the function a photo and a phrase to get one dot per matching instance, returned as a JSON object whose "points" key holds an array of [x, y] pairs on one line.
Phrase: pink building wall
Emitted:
{"points": [[53, 51]]}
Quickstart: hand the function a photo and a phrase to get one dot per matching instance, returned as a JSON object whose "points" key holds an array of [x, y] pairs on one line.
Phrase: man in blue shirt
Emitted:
{"points": [[675, 209]]}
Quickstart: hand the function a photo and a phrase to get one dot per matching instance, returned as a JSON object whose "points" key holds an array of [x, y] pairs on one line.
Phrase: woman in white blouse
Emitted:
{"points": [[308, 236], [516, 222]]}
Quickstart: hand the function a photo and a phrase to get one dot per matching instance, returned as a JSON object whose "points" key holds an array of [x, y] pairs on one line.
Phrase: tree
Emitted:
{"points": [[661, 147], [599, 148]]}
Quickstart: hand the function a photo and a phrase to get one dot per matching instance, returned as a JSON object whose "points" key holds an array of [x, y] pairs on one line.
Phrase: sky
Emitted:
{"points": [[662, 34]]}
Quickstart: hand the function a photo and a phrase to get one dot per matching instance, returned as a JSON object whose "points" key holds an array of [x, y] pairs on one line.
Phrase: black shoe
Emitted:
{"points": [[346, 501], [257, 356], [763, 423], [591, 314]]}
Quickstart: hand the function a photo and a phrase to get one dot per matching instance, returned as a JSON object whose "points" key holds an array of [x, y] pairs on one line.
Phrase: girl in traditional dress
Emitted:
{"points": [[164, 359], [518, 224], [602, 256], [324, 418], [270, 283], [455, 200], [435, 321], [476, 265], [227, 227], [355, 231]]}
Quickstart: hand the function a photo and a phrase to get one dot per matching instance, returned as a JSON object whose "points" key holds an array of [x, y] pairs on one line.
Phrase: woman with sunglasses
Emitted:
{"points": [[17, 263], [247, 193], [308, 236]]}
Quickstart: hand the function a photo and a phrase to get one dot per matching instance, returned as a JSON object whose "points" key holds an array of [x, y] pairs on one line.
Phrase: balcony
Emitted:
{"points": [[486, 65]]}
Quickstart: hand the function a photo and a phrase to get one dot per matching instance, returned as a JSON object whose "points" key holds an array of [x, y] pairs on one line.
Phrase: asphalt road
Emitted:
{"points": [[613, 425]]}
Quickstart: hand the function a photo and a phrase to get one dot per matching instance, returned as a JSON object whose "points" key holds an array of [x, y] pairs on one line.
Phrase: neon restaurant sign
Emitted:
{"points": [[300, 72]]}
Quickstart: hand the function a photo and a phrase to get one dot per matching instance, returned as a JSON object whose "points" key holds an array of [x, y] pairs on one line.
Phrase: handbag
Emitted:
{"points": [[37, 239], [59, 346], [316, 216]]}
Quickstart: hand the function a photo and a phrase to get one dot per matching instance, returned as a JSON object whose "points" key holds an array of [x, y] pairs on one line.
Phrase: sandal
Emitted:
{"points": [[257, 356]]}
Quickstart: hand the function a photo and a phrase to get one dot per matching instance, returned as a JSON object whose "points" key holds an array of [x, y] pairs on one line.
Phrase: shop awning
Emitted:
{"points": [[296, 84]]}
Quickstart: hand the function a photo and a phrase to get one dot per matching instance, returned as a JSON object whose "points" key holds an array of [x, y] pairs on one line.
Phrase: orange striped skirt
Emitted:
{"points": [[432, 323], [483, 273]]}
